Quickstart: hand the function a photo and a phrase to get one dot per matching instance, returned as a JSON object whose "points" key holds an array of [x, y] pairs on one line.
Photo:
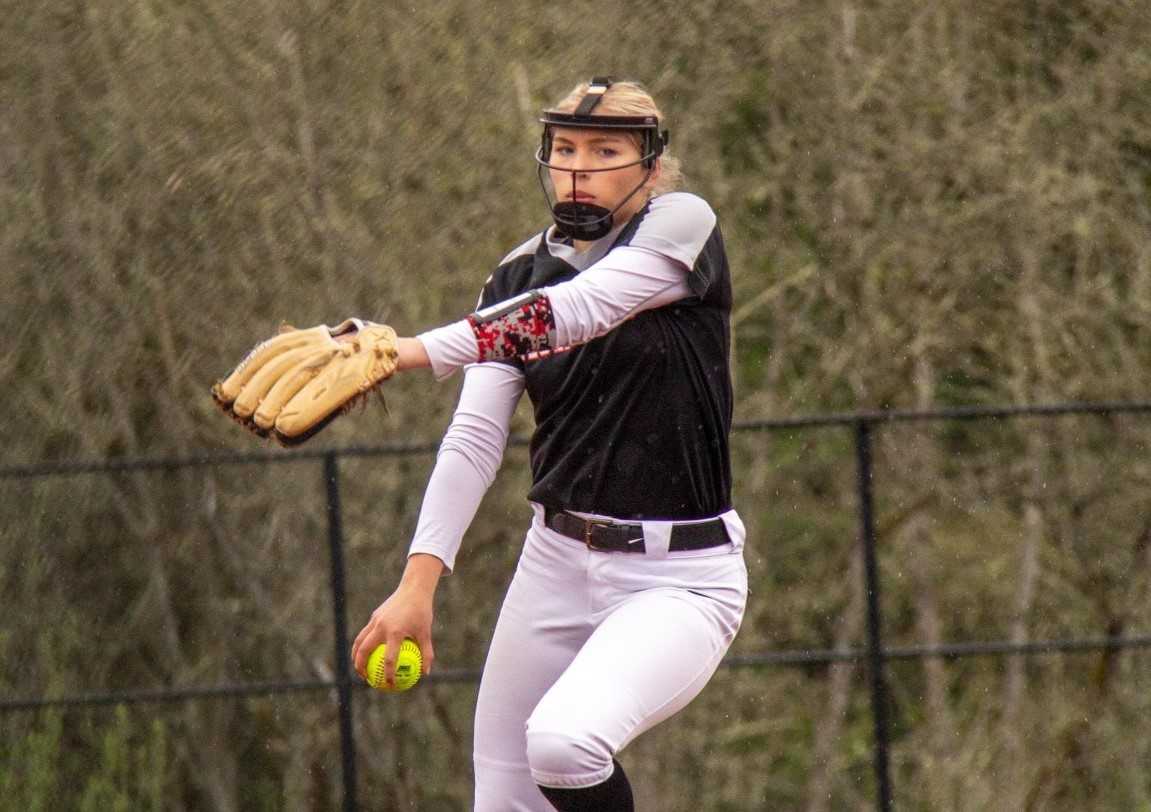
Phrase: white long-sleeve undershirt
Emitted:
{"points": [[627, 281], [468, 459]]}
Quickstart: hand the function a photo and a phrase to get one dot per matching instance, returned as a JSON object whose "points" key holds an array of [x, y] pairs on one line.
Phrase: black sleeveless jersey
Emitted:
{"points": [[633, 424]]}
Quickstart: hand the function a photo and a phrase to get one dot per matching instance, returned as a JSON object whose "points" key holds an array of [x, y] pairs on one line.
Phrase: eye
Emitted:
{"points": [[565, 151], [608, 152]]}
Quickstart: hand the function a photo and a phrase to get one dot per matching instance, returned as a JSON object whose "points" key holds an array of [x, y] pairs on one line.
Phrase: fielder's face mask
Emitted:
{"points": [[586, 221]]}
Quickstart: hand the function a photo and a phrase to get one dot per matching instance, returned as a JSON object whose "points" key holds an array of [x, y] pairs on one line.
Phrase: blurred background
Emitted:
{"points": [[926, 206]]}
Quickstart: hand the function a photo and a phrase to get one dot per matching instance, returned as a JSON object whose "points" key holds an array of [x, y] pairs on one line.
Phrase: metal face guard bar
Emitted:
{"points": [[655, 141]]}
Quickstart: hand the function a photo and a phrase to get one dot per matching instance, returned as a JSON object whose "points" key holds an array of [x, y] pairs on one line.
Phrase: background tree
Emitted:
{"points": [[926, 205]]}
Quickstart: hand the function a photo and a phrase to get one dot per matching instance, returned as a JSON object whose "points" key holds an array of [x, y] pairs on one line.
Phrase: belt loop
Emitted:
{"points": [[735, 529], [657, 538]]}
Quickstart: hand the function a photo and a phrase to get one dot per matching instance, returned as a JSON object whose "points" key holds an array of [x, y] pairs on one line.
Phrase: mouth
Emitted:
{"points": [[579, 197]]}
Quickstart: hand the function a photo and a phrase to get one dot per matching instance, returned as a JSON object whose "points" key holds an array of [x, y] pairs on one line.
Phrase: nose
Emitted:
{"points": [[576, 173]]}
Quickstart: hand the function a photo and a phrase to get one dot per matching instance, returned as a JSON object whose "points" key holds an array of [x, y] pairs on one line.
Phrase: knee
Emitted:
{"points": [[566, 758]]}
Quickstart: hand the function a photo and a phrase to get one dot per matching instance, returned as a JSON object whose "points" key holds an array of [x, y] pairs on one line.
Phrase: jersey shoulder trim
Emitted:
{"points": [[527, 248], [687, 203], [677, 225]]}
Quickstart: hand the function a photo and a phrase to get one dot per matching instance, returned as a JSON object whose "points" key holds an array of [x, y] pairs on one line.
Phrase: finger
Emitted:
{"points": [[356, 647], [427, 653], [366, 643], [394, 640]]}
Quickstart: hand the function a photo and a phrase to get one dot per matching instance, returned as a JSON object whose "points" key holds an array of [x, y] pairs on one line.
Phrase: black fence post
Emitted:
{"points": [[876, 655], [339, 593]]}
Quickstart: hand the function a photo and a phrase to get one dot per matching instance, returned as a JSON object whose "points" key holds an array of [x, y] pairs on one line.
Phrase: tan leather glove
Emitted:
{"points": [[294, 384]]}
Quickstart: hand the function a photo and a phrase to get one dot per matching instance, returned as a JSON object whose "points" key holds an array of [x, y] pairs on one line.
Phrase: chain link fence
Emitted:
{"points": [[284, 710]]}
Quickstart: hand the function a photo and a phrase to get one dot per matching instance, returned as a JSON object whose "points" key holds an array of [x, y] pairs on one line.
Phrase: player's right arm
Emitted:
{"points": [[466, 464]]}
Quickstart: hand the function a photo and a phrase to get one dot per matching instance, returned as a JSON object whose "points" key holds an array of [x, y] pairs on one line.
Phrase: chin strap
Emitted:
{"points": [[582, 221], [587, 222]]}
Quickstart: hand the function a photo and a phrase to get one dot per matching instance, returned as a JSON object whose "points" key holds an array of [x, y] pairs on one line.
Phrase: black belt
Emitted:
{"points": [[628, 538]]}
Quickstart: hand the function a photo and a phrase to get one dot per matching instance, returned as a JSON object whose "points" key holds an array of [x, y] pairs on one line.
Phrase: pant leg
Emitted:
{"points": [[544, 621], [665, 627]]}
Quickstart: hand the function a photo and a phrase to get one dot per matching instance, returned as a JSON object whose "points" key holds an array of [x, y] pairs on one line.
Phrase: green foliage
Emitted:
{"points": [[77, 761], [925, 205]]}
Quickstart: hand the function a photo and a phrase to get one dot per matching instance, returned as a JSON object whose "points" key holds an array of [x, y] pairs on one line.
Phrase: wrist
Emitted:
{"points": [[412, 354], [422, 573]]}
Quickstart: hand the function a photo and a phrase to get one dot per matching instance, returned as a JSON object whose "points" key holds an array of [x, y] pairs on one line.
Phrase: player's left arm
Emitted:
{"points": [[292, 385]]}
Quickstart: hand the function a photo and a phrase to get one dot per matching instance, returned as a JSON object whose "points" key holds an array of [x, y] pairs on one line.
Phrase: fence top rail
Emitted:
{"points": [[780, 658], [71, 467], [957, 413]]}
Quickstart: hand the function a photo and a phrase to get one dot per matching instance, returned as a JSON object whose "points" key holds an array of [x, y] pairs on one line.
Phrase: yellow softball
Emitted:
{"points": [[409, 663]]}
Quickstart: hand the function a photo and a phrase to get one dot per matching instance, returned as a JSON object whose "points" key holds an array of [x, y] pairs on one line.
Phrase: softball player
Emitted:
{"points": [[631, 584]]}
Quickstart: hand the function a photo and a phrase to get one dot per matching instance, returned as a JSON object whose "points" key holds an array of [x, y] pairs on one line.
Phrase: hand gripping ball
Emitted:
{"points": [[409, 663]]}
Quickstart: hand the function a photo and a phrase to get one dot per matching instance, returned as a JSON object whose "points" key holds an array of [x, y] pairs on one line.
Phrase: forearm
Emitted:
{"points": [[422, 573], [468, 460], [412, 354], [451, 501]]}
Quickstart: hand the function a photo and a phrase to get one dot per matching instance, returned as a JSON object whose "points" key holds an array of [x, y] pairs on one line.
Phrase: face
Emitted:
{"points": [[574, 150]]}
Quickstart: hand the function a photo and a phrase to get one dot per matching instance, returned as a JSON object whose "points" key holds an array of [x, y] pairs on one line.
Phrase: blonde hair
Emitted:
{"points": [[630, 99]]}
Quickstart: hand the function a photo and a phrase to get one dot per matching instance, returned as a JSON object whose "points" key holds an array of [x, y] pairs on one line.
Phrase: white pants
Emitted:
{"points": [[592, 649]]}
